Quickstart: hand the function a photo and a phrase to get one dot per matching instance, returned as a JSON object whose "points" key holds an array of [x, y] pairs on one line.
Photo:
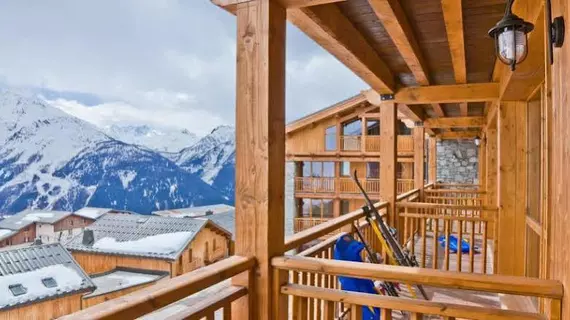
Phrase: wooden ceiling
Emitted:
{"points": [[395, 44]]}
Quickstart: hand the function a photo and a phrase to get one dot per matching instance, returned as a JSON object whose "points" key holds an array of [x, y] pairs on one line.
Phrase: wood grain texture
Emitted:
{"points": [[511, 187], [260, 145], [448, 93], [453, 16], [389, 158], [419, 158], [456, 122]]}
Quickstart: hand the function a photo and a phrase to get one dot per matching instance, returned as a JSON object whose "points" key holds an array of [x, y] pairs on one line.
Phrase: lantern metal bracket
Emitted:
{"points": [[555, 31]]}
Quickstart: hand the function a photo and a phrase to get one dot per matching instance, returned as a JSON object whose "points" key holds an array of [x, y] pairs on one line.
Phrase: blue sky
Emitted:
{"points": [[164, 63]]}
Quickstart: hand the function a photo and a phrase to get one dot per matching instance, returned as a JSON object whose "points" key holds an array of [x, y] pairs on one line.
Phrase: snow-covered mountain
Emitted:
{"points": [[158, 139], [49, 159], [213, 159]]}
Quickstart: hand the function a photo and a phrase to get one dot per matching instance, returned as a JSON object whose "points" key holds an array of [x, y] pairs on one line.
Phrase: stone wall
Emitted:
{"points": [[457, 161]]}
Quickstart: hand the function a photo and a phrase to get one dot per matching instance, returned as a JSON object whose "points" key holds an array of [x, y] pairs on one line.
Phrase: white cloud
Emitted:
{"points": [[165, 59]]}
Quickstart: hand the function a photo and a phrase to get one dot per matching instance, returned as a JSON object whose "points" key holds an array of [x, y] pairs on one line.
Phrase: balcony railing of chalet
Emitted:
{"points": [[350, 143], [468, 196], [373, 144], [404, 185], [312, 286], [345, 185]]}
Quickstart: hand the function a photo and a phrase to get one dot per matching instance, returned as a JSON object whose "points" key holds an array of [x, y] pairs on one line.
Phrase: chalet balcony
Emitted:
{"points": [[344, 186], [405, 144], [458, 284]]}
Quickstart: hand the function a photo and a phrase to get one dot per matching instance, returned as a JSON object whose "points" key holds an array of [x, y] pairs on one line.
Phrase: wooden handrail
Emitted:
{"points": [[164, 293], [445, 217], [457, 191], [424, 205], [405, 195], [409, 305], [305, 236], [436, 278]]}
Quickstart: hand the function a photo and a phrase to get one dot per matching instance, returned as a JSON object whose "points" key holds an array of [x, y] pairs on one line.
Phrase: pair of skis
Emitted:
{"points": [[389, 243]]}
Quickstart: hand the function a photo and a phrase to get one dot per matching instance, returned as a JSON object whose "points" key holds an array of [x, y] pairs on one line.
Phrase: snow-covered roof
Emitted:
{"points": [[27, 217], [195, 211], [92, 213], [139, 235], [6, 233], [123, 278], [30, 269]]}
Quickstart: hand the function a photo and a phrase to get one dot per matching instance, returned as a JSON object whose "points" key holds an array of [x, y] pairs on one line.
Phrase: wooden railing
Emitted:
{"points": [[405, 144], [315, 184], [301, 224], [327, 299], [347, 185], [350, 143], [461, 197], [373, 144], [162, 294], [426, 223], [404, 185]]}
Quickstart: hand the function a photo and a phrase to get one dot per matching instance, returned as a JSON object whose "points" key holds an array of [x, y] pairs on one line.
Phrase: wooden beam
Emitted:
{"points": [[392, 16], [512, 188], [388, 159], [458, 122], [419, 157], [464, 109], [432, 158], [328, 27], [394, 19], [231, 5], [260, 150], [453, 17], [458, 135], [455, 93]]}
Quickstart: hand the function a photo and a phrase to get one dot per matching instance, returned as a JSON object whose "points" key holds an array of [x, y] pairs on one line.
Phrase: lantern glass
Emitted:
{"points": [[512, 44]]}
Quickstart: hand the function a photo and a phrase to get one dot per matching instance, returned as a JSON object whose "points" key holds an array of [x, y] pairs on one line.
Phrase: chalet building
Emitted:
{"points": [[41, 282], [327, 146], [48, 226], [436, 62], [172, 245], [195, 211]]}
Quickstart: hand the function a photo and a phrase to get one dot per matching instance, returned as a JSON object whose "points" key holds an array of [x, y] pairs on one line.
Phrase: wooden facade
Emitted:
{"points": [[24, 235], [210, 245], [326, 147], [87, 302], [45, 310], [435, 61]]}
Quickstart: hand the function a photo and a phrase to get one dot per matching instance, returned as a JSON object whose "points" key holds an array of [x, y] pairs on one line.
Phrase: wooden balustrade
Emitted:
{"points": [[331, 298], [350, 143], [404, 185], [426, 223], [162, 294], [467, 186], [315, 184], [405, 144], [373, 144], [301, 224]]}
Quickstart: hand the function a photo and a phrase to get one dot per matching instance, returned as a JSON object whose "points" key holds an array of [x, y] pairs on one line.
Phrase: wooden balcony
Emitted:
{"points": [[405, 144], [344, 185], [311, 282]]}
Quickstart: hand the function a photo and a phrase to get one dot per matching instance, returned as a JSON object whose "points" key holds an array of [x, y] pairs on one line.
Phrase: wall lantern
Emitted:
{"points": [[477, 141], [510, 34], [555, 31]]}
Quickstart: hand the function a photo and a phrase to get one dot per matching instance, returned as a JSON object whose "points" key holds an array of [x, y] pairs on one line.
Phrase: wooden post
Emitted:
{"points": [[482, 159], [419, 156], [432, 159], [491, 180], [260, 153], [364, 130], [512, 187], [388, 158]]}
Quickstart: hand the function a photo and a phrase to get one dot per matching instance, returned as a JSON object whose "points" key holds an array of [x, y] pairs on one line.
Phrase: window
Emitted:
{"points": [[373, 127], [306, 208], [17, 289], [306, 169], [214, 244], [352, 128], [345, 169], [316, 208], [373, 170], [49, 282], [316, 169], [330, 138], [328, 169], [344, 207], [328, 208]]}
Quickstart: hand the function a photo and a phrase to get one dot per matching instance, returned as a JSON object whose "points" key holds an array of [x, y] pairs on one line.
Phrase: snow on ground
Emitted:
{"points": [[67, 280], [162, 243], [127, 176]]}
